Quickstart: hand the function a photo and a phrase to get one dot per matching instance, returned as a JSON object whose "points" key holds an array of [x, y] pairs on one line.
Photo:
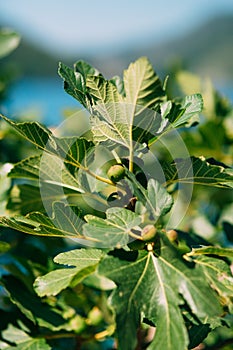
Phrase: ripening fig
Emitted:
{"points": [[116, 172], [172, 235], [148, 233]]}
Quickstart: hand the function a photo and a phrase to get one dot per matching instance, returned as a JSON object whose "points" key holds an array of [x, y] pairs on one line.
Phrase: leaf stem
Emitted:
{"points": [[97, 177], [118, 159], [131, 154], [155, 139], [134, 235], [100, 178], [98, 336]]}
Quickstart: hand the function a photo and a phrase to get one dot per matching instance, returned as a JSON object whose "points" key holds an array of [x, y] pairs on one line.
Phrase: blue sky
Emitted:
{"points": [[86, 26]]}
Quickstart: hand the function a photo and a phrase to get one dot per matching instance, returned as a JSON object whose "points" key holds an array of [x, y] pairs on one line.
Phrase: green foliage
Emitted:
{"points": [[157, 276], [9, 40], [22, 340], [85, 262], [154, 275], [203, 172]]}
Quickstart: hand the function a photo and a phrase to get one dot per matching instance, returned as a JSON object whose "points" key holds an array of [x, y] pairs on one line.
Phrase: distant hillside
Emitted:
{"points": [[208, 50], [32, 59]]}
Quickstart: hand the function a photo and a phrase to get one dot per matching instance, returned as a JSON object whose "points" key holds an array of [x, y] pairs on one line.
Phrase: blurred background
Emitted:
{"points": [[193, 35]]}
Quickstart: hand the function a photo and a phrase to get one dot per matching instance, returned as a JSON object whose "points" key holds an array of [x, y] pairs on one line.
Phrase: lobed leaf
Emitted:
{"points": [[159, 200], [154, 201], [120, 106], [191, 107], [72, 150], [34, 132], [218, 251], [85, 262], [80, 258], [31, 305], [219, 275], [119, 84], [109, 118], [66, 222], [142, 85], [47, 169], [85, 69], [22, 340], [55, 281], [15, 335], [74, 84], [197, 171], [153, 286], [113, 231]]}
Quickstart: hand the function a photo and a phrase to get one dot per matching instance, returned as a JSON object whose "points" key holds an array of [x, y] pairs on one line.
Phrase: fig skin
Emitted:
{"points": [[149, 233], [172, 235], [116, 172]]}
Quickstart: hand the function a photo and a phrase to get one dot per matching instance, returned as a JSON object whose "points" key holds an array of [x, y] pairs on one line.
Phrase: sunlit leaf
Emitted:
{"points": [[142, 86], [155, 200], [113, 231], [15, 335], [218, 274], [32, 344], [22, 340], [83, 261], [66, 222], [218, 251], [197, 171], [80, 258], [72, 150], [121, 115], [49, 169]]}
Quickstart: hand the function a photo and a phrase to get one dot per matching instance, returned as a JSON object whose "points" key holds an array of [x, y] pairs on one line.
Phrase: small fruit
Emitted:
{"points": [[172, 235], [148, 233], [116, 172]]}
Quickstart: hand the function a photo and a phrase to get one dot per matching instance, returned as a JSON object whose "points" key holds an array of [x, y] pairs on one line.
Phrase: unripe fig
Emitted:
{"points": [[148, 233], [172, 235], [116, 172]]}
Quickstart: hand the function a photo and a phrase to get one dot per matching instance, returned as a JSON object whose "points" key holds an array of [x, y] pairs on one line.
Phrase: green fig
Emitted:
{"points": [[116, 172], [172, 235], [148, 233]]}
